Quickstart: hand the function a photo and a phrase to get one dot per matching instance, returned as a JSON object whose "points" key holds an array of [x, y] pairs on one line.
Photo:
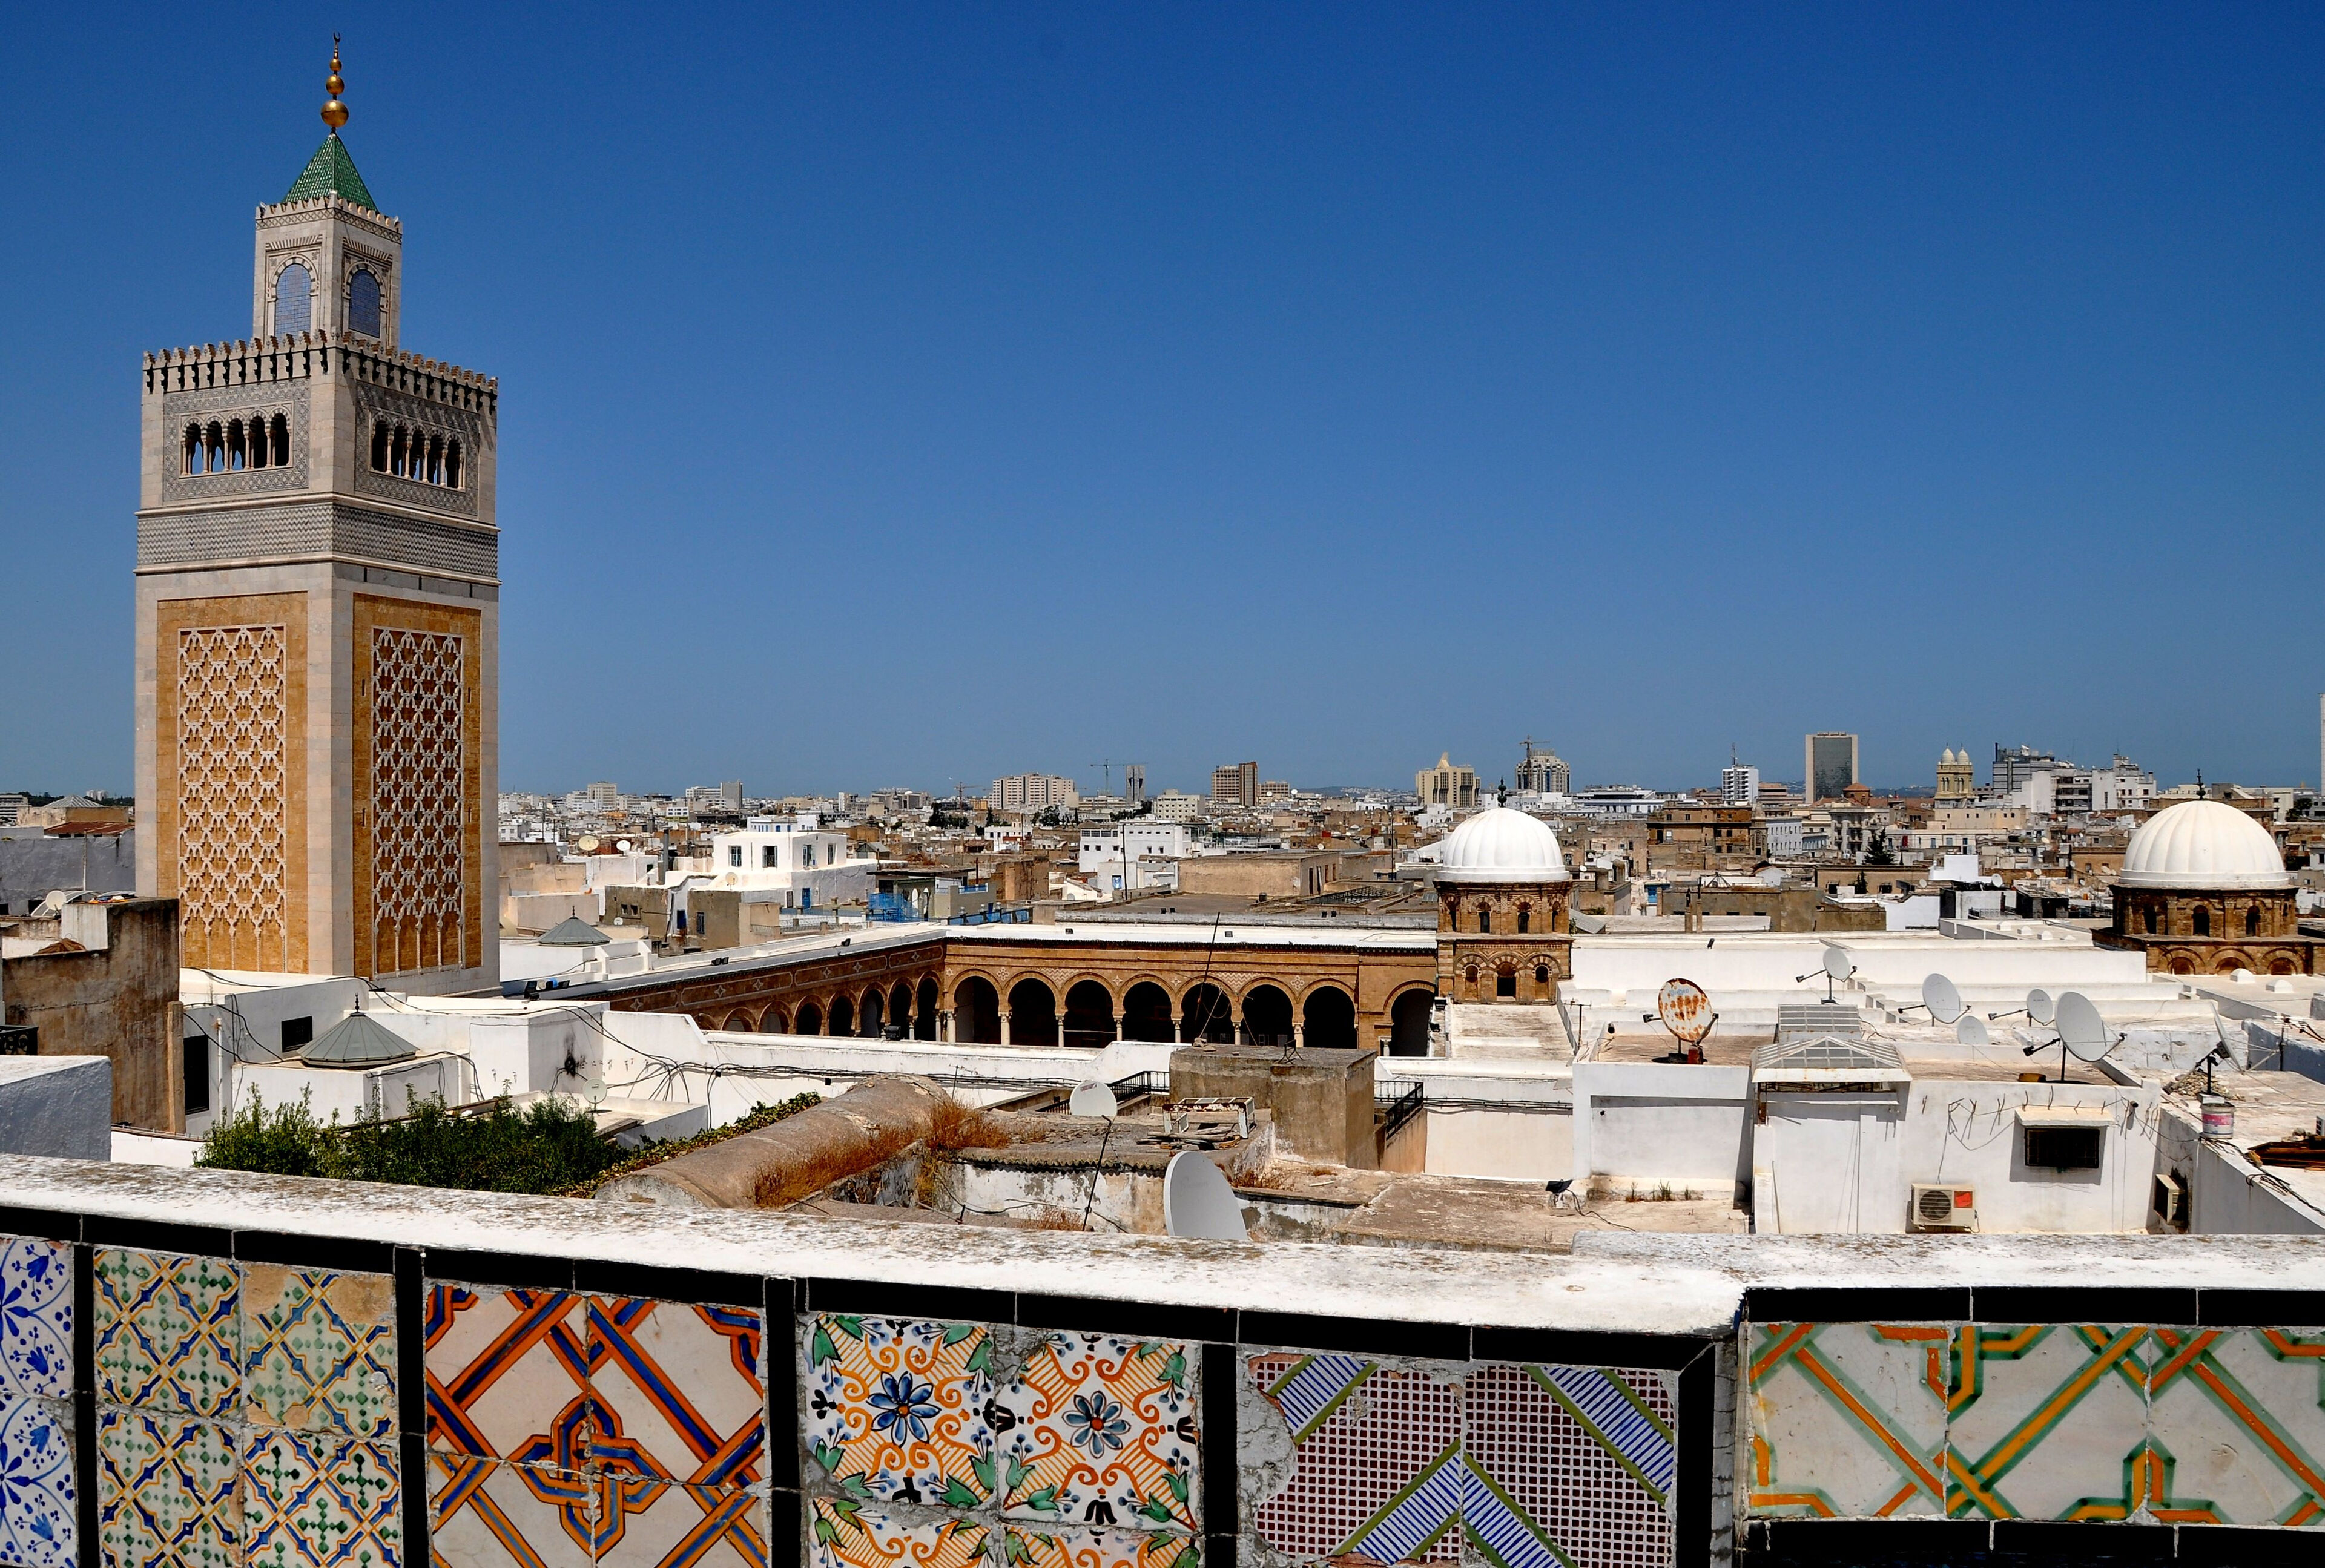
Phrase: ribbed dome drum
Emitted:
{"points": [[1500, 845], [2203, 844]]}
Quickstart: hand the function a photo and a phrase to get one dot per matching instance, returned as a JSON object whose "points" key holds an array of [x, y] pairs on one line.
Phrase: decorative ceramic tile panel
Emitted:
{"points": [[1572, 1464], [40, 1499], [2236, 1426], [1100, 1549], [488, 1515], [1377, 1459], [168, 1331], [314, 1501], [1101, 1431], [669, 1525], [1848, 1420], [319, 1350], [896, 1409], [36, 1318], [847, 1534], [2047, 1422], [167, 1491], [508, 1376], [2074, 1421], [678, 1391]]}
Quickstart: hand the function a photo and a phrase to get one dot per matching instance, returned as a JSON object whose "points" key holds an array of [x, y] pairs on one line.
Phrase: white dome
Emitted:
{"points": [[1946, 758], [2203, 844], [1500, 845]]}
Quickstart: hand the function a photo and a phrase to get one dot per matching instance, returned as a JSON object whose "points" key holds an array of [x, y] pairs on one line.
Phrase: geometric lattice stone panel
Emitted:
{"points": [[418, 815], [233, 760]]}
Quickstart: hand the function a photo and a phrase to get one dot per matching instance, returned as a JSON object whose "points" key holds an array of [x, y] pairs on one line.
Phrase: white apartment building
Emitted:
{"points": [[1033, 791], [1178, 806], [1739, 784], [1133, 854], [793, 858]]}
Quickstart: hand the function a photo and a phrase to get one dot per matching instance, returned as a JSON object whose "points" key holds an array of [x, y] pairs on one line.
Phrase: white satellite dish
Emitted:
{"points": [[1198, 1203], [2040, 1008], [1972, 1031], [1839, 964], [1942, 997], [1092, 1099], [2082, 1027]]}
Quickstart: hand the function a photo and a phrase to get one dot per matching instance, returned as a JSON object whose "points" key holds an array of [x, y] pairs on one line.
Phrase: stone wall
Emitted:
{"points": [[118, 1001]]}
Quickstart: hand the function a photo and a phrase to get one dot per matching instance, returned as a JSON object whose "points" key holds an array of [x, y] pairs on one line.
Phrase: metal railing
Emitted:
{"points": [[1396, 1103]]}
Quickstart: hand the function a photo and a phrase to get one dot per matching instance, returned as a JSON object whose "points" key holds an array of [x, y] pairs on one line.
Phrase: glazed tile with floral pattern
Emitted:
{"points": [[168, 1331], [36, 1318], [896, 1409], [1099, 1431], [167, 1491], [846, 1533], [40, 1499], [1100, 1549], [319, 1350], [311, 1500]]}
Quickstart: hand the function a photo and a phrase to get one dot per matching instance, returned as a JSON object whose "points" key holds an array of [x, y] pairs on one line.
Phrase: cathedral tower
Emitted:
{"points": [[317, 579]]}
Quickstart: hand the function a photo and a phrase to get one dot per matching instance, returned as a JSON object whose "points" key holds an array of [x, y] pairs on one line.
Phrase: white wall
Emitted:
{"points": [[1846, 1162], [1649, 1121], [58, 1106]]}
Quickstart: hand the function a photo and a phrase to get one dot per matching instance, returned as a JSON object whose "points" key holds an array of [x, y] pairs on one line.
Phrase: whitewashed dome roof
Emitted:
{"points": [[2202, 844], [1500, 845]]}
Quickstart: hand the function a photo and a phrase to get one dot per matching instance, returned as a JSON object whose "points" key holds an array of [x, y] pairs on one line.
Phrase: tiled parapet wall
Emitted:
{"points": [[325, 1376], [2177, 1424]]}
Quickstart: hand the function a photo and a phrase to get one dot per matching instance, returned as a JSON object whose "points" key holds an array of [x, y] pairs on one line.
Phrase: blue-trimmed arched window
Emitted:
{"points": [[294, 301], [363, 304]]}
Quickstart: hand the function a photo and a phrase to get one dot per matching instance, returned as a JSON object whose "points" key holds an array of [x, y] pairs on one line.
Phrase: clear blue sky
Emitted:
{"points": [[890, 395]]}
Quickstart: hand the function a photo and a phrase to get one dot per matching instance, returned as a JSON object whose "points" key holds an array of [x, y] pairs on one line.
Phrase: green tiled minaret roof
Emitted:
{"points": [[331, 170]]}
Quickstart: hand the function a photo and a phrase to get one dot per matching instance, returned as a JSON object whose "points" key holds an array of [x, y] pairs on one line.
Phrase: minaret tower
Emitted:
{"points": [[317, 587]]}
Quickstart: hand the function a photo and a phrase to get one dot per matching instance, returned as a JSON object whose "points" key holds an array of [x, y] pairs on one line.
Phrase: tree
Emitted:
{"points": [[1876, 850]]}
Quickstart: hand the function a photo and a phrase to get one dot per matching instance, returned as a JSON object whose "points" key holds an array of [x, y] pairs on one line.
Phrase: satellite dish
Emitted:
{"points": [[1686, 1011], [1839, 964], [1093, 1099], [1942, 997], [2082, 1027], [1198, 1203], [586, 843], [2039, 1006], [623, 845], [1972, 1031]]}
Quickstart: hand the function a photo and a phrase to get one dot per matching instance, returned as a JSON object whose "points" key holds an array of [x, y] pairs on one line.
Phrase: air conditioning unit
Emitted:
{"points": [[2170, 1201], [1943, 1208]]}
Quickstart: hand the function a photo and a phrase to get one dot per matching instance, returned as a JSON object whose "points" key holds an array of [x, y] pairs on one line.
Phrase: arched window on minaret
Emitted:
{"points": [[452, 463], [399, 452], [193, 449], [214, 439], [363, 304], [281, 442], [435, 460], [236, 455], [379, 447], [295, 299]]}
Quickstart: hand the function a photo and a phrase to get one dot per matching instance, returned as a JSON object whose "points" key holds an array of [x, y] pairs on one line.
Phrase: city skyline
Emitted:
{"points": [[1666, 382]]}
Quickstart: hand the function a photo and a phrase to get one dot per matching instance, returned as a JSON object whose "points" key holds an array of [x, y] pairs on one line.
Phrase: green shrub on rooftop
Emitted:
{"points": [[549, 1146]]}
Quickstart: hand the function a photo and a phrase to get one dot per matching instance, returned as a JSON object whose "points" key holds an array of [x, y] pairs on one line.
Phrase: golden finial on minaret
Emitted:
{"points": [[335, 113]]}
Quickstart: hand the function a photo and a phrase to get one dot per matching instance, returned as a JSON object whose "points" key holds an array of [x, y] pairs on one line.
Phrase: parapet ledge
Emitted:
{"points": [[330, 200], [1373, 1283], [298, 345]]}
